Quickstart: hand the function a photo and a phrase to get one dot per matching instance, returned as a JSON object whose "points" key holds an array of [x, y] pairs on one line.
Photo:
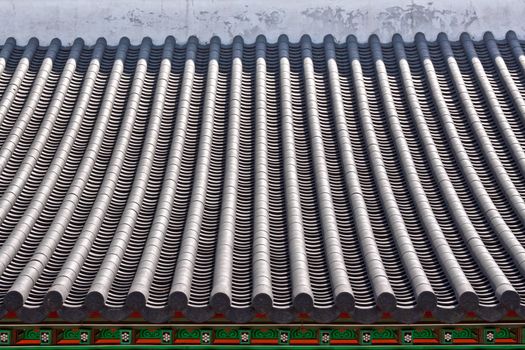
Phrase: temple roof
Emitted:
{"points": [[275, 178]]}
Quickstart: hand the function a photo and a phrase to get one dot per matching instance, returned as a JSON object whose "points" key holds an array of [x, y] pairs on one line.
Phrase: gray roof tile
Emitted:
{"points": [[272, 178]]}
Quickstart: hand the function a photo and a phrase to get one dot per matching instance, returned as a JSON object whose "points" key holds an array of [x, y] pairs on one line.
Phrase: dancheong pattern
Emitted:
{"points": [[255, 335]]}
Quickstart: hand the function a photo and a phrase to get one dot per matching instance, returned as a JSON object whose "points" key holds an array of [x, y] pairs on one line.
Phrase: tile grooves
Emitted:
{"points": [[278, 178]]}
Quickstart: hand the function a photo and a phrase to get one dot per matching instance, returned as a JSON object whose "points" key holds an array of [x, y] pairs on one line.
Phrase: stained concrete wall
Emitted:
{"points": [[91, 19]]}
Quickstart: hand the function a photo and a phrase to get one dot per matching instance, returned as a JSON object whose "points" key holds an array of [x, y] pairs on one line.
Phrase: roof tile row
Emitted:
{"points": [[272, 178]]}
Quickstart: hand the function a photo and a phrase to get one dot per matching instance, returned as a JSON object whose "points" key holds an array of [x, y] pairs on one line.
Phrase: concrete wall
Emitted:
{"points": [[112, 19]]}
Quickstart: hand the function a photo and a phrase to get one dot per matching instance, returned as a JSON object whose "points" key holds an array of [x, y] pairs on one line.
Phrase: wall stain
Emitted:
{"points": [[404, 20], [158, 18], [271, 18], [396, 19], [134, 16], [349, 20]]}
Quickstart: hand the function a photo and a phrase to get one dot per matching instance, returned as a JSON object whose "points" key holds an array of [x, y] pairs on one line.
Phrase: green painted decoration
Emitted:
{"points": [[298, 336], [46, 337], [126, 336], [245, 336], [166, 337], [108, 333], [365, 337], [407, 337], [227, 333], [325, 335], [265, 333], [206, 336], [29, 334], [344, 334], [424, 333], [303, 333], [84, 336], [385, 333], [5, 337], [70, 334], [184, 333], [147, 333], [284, 337]]}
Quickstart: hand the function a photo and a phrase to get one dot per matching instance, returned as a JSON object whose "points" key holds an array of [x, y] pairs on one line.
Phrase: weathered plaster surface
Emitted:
{"points": [[91, 19]]}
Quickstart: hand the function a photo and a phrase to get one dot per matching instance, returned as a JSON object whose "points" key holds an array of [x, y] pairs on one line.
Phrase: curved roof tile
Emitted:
{"points": [[278, 178]]}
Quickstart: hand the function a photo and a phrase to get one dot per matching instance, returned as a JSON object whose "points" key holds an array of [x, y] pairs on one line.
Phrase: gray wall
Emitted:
{"points": [[90, 19]]}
